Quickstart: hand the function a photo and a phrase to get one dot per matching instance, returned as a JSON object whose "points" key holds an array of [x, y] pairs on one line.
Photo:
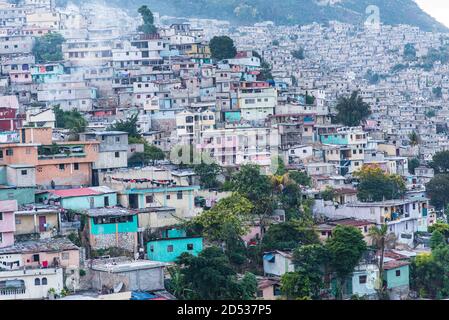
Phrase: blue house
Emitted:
{"points": [[172, 244], [81, 198], [397, 278]]}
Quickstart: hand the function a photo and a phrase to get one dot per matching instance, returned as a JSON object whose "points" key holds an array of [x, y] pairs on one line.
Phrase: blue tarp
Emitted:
{"points": [[141, 295], [269, 257]]}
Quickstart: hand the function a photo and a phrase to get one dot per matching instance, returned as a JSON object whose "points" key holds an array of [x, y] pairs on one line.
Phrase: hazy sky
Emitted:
{"points": [[439, 9]]}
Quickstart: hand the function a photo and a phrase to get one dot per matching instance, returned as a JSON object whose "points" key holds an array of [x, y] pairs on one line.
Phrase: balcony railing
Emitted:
{"points": [[12, 291]]}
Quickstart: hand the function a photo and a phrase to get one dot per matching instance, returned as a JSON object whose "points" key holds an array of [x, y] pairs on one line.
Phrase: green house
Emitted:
{"points": [[173, 243], [396, 274]]}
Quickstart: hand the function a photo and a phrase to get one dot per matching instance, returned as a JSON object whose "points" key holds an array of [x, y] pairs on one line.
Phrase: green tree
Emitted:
{"points": [[288, 236], [352, 111], [72, 120], [441, 227], [346, 247], [381, 237], [296, 286], [129, 125], [211, 277], [150, 153], [148, 26], [222, 47], [440, 162], [436, 240], [438, 92], [298, 54], [208, 174], [438, 190], [311, 260], [414, 139], [48, 48], [300, 178], [412, 165], [409, 52], [231, 212], [375, 185], [251, 183]]}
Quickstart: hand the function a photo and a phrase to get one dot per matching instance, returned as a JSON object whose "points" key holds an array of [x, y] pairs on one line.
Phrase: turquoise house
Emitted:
{"points": [[112, 227], [397, 274], [337, 139], [82, 198], [42, 73], [173, 243]]}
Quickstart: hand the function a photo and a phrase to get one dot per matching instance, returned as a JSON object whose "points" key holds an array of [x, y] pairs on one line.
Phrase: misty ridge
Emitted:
{"points": [[287, 12]]}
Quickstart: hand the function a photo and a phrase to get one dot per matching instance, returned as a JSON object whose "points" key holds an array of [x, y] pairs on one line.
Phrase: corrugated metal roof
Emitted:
{"points": [[80, 192]]}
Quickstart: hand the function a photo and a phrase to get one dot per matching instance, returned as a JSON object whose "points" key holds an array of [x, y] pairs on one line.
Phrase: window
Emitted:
{"points": [[398, 273], [35, 258], [44, 281], [37, 282], [65, 256], [62, 167], [1, 216], [1, 237], [168, 197], [18, 221], [1, 154], [149, 199], [179, 195], [24, 172], [106, 201], [190, 246], [117, 139], [117, 154], [76, 166], [362, 279], [170, 248], [9, 152]]}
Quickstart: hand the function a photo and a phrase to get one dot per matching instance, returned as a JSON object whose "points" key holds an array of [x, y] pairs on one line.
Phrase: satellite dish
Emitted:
{"points": [[118, 287]]}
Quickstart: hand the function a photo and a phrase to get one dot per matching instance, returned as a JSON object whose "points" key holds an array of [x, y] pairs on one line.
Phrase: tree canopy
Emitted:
{"points": [[438, 190], [440, 162], [375, 185], [129, 125], [210, 276], [288, 236], [352, 111], [346, 248], [233, 211], [222, 47], [48, 48], [148, 26]]}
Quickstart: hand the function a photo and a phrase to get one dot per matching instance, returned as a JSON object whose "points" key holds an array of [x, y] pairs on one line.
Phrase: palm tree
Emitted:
{"points": [[381, 237], [415, 140]]}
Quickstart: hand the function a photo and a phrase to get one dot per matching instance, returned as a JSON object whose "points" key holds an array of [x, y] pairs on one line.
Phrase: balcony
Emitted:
{"points": [[60, 152]]}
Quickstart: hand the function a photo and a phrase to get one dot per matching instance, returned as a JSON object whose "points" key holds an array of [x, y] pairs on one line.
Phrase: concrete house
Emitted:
{"points": [[172, 244], [112, 227], [7, 225], [81, 198], [277, 263]]}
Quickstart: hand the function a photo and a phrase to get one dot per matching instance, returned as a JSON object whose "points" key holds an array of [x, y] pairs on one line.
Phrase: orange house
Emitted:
{"points": [[66, 163]]}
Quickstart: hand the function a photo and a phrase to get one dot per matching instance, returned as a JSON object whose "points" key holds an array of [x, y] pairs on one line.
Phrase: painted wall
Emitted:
{"points": [[159, 250], [83, 203], [112, 228], [394, 281], [22, 195]]}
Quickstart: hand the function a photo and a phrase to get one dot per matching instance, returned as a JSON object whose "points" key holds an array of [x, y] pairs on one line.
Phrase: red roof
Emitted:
{"points": [[393, 264], [75, 192]]}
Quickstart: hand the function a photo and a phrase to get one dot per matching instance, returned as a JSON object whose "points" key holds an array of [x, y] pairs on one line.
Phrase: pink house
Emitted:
{"points": [[7, 222]]}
